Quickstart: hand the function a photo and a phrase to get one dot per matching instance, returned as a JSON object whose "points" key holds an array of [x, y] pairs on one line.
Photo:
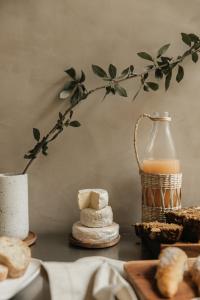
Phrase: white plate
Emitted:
{"points": [[10, 287]]}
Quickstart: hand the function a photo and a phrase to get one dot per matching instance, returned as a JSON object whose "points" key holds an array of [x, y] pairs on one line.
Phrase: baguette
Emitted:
{"points": [[15, 255], [3, 272], [195, 273], [171, 267]]}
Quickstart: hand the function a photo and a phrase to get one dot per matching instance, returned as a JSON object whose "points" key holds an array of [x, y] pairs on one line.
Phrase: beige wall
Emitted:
{"points": [[38, 40]]}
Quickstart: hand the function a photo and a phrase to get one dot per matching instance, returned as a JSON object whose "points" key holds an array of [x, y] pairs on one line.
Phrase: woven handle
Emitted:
{"points": [[136, 130], [135, 137]]}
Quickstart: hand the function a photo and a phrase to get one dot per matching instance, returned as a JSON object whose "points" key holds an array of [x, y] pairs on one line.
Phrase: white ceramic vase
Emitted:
{"points": [[14, 218]]}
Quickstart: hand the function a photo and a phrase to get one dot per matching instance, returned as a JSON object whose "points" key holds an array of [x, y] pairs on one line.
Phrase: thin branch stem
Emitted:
{"points": [[56, 130]]}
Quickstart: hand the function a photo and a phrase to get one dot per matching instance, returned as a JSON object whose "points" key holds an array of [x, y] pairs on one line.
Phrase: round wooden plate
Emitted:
{"points": [[77, 243], [31, 238]]}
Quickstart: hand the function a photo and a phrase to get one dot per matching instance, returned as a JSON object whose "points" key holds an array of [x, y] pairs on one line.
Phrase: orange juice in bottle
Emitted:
{"points": [[160, 158]]}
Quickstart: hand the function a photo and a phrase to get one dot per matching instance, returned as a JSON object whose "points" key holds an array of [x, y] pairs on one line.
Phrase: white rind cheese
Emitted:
{"points": [[93, 198], [99, 199], [95, 235], [96, 218], [84, 198]]}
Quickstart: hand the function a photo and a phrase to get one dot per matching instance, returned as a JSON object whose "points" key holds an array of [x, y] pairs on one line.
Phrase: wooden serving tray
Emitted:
{"points": [[141, 275], [191, 249]]}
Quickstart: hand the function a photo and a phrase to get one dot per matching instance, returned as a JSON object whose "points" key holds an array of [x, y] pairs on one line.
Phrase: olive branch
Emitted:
{"points": [[75, 90]]}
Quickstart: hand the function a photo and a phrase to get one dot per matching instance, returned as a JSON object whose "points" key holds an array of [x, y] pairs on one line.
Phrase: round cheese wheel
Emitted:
{"points": [[95, 235], [96, 218]]}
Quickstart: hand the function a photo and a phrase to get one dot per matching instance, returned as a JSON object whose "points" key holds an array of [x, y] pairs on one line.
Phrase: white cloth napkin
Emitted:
{"points": [[90, 278]]}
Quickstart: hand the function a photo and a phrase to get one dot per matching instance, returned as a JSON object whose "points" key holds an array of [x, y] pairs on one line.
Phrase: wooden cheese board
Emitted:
{"points": [[141, 275], [191, 249]]}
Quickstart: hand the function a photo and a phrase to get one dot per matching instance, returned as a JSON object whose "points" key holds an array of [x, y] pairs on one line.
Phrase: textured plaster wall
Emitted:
{"points": [[38, 40]]}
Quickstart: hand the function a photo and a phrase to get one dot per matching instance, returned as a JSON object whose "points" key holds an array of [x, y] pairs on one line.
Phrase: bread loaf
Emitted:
{"points": [[3, 272], [195, 273], [14, 254], [189, 218], [171, 267], [161, 232]]}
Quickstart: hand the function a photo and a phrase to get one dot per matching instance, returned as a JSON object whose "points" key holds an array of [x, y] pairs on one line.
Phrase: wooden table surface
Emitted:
{"points": [[55, 247]]}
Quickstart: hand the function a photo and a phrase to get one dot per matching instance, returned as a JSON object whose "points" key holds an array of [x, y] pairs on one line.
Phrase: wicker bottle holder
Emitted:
{"points": [[160, 192]]}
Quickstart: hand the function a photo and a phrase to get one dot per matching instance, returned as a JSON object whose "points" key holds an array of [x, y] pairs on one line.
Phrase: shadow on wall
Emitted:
{"points": [[127, 209], [55, 104]]}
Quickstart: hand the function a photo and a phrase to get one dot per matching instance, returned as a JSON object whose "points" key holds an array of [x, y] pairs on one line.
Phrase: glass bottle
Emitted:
{"points": [[160, 158]]}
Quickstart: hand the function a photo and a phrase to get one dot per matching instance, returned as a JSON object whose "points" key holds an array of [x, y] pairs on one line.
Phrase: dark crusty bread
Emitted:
{"points": [[189, 218], [162, 232]]}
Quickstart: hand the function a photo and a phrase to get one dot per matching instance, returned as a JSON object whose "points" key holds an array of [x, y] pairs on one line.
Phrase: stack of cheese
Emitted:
{"points": [[96, 218]]}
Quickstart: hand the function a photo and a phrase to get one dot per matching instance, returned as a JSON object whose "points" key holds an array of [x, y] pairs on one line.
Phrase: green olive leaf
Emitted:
{"points": [[36, 134], [71, 72], [180, 73], [168, 79], [99, 71], [145, 55], [153, 85], [64, 94], [186, 38], [75, 124], [162, 50], [195, 57], [121, 91], [112, 71], [125, 72]]}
